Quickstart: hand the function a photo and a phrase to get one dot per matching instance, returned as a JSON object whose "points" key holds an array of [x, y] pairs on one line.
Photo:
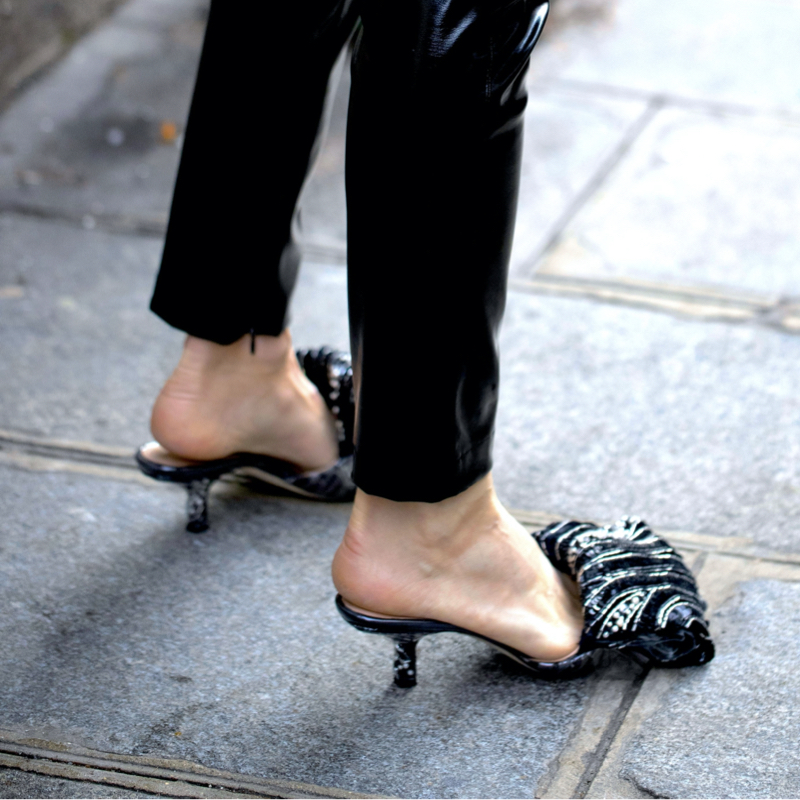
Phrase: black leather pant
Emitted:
{"points": [[432, 168]]}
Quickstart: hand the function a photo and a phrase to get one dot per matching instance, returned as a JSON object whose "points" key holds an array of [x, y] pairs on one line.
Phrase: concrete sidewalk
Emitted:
{"points": [[650, 353]]}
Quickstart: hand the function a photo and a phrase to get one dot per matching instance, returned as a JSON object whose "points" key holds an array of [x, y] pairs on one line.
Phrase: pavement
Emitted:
{"points": [[36, 33], [649, 367]]}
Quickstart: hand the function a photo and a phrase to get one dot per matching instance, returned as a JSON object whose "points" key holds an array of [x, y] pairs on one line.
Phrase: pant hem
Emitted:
{"points": [[211, 330], [419, 482]]}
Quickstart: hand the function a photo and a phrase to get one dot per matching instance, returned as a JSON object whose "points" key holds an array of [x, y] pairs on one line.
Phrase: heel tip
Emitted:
{"points": [[405, 683], [197, 527]]}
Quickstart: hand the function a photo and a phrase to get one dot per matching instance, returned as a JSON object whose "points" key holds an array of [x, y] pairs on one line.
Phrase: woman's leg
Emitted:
{"points": [[433, 153], [433, 157], [230, 261]]}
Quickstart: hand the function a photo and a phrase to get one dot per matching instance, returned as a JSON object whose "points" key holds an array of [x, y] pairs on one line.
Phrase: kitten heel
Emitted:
{"points": [[330, 371], [405, 633], [405, 659], [197, 505]]}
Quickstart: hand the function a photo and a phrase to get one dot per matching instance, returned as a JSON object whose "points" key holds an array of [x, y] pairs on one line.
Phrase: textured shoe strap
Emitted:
{"points": [[332, 373], [637, 592]]}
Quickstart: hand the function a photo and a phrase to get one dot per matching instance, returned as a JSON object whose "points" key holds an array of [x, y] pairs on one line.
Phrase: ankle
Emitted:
{"points": [[271, 352], [223, 399], [390, 547], [430, 525], [465, 561]]}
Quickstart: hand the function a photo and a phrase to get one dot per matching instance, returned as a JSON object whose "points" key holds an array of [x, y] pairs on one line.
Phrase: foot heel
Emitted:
{"points": [[405, 659], [197, 505]]}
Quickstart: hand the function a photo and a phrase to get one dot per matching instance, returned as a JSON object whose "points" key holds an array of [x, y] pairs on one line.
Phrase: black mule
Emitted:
{"points": [[638, 597], [331, 372]]}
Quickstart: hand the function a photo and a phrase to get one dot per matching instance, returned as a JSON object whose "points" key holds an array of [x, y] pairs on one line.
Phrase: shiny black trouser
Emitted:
{"points": [[433, 152]]}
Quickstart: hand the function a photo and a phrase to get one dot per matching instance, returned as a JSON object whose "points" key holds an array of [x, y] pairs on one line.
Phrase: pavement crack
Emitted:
{"points": [[645, 792]]}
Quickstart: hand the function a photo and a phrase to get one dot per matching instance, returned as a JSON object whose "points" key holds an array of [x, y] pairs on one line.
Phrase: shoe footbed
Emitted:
{"points": [[154, 452], [364, 612]]}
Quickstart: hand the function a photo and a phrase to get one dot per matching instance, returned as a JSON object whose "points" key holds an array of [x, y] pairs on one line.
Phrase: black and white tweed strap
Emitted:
{"points": [[638, 594], [331, 372]]}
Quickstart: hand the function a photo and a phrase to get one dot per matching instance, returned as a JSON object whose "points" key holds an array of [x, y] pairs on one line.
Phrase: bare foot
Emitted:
{"points": [[223, 399], [465, 561]]}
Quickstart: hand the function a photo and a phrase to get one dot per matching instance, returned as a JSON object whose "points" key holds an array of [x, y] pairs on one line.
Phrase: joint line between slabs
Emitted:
{"points": [[65, 451], [40, 451], [684, 302], [120, 224], [158, 777], [123, 780], [609, 734], [668, 99], [725, 298], [599, 177]]}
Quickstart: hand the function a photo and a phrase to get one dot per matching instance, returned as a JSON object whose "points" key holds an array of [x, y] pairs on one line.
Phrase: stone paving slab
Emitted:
{"points": [[225, 649], [87, 140], [567, 139], [606, 411], [701, 199], [161, 14], [82, 357], [729, 730], [731, 51], [36, 33]]}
